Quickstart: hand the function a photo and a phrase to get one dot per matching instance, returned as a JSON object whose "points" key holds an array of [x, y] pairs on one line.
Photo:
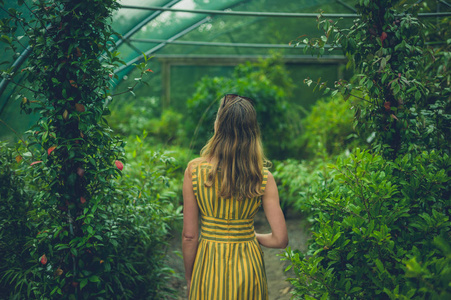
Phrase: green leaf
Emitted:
{"points": [[94, 278], [348, 286], [379, 265], [417, 95], [83, 283]]}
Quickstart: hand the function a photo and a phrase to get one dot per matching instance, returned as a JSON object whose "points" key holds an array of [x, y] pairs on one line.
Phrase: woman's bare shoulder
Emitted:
{"points": [[195, 163]]}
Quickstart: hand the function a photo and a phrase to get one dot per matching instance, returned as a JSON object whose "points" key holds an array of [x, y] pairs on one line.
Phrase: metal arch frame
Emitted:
{"points": [[24, 55], [165, 42], [266, 14], [444, 2], [347, 5], [161, 45], [141, 24]]}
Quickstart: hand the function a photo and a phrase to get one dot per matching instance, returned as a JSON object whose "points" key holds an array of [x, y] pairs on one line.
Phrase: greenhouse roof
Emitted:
{"points": [[214, 32]]}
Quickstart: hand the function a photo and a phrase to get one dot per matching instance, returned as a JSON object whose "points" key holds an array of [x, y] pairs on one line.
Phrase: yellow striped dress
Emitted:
{"points": [[229, 260]]}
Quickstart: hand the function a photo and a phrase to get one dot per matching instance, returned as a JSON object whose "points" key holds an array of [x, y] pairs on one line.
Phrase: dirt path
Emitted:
{"points": [[279, 288]]}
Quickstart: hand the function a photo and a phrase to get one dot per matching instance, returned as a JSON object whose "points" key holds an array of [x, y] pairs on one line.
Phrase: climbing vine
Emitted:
{"points": [[74, 159]]}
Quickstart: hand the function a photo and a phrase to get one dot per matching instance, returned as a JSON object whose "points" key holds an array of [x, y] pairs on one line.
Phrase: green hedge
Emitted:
{"points": [[126, 261], [377, 226]]}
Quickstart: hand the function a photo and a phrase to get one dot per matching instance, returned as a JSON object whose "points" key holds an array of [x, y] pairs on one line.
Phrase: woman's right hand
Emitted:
{"points": [[278, 238]]}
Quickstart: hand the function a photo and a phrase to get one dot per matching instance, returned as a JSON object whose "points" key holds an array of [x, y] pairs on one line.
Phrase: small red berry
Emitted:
{"points": [[119, 164], [43, 259], [383, 36], [50, 150], [387, 105]]}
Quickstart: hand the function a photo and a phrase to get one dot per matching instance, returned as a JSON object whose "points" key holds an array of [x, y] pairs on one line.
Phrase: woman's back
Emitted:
{"points": [[211, 205], [229, 261], [226, 186]]}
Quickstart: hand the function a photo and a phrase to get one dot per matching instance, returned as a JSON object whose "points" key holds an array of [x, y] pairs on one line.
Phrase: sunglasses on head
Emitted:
{"points": [[228, 97]]}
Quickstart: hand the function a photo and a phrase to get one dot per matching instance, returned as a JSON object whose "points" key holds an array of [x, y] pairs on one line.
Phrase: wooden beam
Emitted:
{"points": [[166, 84], [233, 60]]}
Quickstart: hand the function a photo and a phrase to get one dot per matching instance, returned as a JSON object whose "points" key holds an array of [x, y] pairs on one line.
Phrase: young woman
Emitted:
{"points": [[227, 185]]}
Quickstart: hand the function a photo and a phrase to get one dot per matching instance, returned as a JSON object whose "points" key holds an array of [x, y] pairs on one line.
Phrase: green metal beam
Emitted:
{"points": [[265, 14], [217, 44]]}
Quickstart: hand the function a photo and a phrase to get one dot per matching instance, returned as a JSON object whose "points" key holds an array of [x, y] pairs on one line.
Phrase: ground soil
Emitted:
{"points": [[278, 287]]}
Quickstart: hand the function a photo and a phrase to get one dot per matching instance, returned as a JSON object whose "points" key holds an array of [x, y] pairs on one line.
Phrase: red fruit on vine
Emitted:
{"points": [[74, 284], [36, 162], [50, 150], [79, 107], [387, 105], [43, 259], [119, 164], [73, 83], [80, 172], [82, 200], [383, 36], [111, 75]]}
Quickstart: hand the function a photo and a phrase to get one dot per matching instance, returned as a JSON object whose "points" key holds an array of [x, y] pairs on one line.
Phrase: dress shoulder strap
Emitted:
{"points": [[195, 178], [265, 179]]}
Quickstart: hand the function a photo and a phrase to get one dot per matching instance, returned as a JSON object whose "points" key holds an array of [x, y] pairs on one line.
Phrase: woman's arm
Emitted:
{"points": [[278, 238], [190, 226]]}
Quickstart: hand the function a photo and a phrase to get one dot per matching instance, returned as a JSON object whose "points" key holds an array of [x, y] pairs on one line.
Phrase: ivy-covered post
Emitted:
{"points": [[380, 226], [387, 48], [76, 156]]}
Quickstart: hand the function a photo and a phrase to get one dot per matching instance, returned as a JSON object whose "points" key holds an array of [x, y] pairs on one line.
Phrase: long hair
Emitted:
{"points": [[235, 150]]}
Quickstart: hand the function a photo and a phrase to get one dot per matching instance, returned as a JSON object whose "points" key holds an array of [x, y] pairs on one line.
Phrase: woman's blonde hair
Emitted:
{"points": [[235, 150]]}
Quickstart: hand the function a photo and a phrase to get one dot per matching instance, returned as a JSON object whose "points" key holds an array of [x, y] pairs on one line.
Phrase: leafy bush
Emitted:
{"points": [[144, 114], [16, 202], [297, 182], [402, 83], [124, 253], [268, 84], [95, 238], [326, 132], [328, 128], [381, 219], [133, 117], [373, 217]]}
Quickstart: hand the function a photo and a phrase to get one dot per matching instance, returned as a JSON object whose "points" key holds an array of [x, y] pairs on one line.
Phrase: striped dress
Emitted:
{"points": [[229, 261]]}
